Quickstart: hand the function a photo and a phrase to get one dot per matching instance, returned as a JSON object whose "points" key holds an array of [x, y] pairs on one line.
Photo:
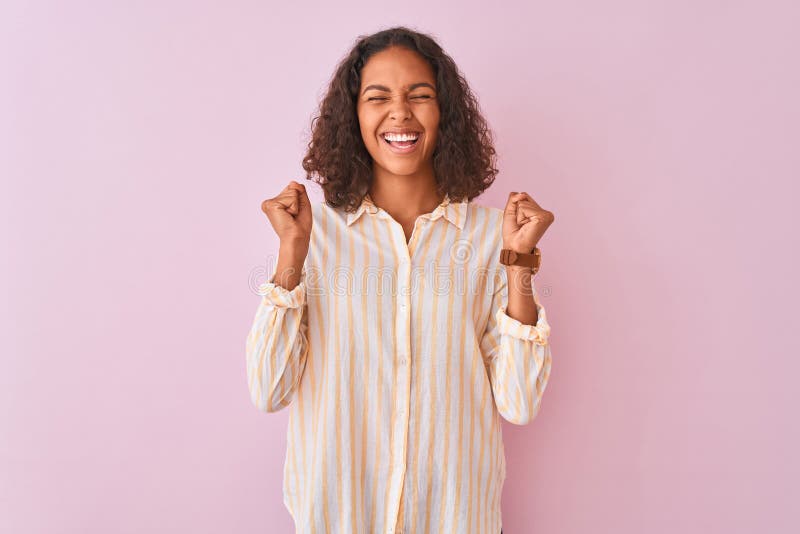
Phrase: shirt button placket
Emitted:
{"points": [[404, 341], [403, 377]]}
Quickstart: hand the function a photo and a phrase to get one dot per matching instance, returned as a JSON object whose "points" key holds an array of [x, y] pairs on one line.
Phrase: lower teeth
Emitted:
{"points": [[402, 144]]}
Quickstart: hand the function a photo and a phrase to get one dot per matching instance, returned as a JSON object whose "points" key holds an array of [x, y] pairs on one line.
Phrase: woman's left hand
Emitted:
{"points": [[524, 222]]}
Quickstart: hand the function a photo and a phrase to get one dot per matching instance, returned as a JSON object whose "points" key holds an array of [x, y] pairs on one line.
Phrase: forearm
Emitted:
{"points": [[521, 305], [291, 257]]}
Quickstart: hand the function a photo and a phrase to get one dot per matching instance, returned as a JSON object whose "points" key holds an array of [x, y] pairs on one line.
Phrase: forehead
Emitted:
{"points": [[396, 67]]}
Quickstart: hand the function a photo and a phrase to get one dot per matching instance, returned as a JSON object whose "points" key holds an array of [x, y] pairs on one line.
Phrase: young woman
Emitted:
{"points": [[390, 328]]}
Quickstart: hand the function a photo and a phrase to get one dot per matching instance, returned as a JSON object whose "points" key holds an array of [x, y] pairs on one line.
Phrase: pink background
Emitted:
{"points": [[138, 140]]}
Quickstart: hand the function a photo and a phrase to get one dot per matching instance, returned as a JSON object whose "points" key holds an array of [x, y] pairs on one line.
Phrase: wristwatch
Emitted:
{"points": [[512, 257]]}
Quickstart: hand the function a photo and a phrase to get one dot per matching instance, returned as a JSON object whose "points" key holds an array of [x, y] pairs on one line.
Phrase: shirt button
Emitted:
{"points": [[402, 361]]}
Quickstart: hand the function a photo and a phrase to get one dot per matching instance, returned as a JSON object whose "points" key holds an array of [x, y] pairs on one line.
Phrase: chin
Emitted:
{"points": [[401, 169]]}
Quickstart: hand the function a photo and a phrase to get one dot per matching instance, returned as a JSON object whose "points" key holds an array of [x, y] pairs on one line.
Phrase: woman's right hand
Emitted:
{"points": [[289, 213]]}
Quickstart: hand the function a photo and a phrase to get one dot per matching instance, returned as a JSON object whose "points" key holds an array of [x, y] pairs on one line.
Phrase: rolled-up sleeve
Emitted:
{"points": [[277, 345], [517, 356]]}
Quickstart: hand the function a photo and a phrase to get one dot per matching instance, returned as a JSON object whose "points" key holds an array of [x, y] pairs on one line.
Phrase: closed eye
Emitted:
{"points": [[426, 97]]}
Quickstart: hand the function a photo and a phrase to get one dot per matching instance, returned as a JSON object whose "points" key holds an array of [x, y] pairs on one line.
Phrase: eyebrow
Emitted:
{"points": [[386, 89]]}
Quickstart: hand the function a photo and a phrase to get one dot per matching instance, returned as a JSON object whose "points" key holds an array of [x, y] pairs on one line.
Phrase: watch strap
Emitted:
{"points": [[512, 257]]}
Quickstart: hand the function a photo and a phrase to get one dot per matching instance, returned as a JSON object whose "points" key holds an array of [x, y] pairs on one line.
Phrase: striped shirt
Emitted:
{"points": [[396, 360]]}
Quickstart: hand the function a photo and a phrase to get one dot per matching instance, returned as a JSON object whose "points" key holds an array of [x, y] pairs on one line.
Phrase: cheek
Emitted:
{"points": [[366, 137], [433, 140], [367, 130], [432, 130], [432, 125]]}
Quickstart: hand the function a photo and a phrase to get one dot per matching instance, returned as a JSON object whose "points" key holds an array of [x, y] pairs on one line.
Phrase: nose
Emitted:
{"points": [[400, 109]]}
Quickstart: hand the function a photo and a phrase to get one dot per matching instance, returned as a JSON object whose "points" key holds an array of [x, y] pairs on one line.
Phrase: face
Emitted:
{"points": [[398, 98]]}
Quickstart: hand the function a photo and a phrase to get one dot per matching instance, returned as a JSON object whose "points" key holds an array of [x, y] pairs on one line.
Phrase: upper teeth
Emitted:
{"points": [[400, 137]]}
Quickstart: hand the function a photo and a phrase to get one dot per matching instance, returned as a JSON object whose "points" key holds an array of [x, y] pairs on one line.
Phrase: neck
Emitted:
{"points": [[405, 197]]}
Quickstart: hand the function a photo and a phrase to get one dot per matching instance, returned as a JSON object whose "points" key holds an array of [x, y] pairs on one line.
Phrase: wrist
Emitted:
{"points": [[518, 269], [519, 279], [293, 248], [518, 275], [520, 262], [517, 248]]}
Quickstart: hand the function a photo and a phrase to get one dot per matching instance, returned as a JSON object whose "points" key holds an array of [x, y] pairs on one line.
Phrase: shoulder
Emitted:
{"points": [[325, 218], [482, 215], [321, 210], [316, 209], [479, 207], [492, 213]]}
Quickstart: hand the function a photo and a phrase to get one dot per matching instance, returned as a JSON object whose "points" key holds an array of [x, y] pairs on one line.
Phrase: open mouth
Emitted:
{"points": [[401, 141]]}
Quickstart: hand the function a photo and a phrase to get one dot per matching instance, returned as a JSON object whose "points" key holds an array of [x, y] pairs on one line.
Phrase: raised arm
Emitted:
{"points": [[518, 357], [277, 344]]}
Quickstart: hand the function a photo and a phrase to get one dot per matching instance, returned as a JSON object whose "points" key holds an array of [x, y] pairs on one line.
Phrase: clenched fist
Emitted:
{"points": [[524, 222], [289, 213]]}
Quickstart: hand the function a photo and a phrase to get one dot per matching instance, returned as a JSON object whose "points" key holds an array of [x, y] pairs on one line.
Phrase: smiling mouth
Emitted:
{"points": [[404, 142]]}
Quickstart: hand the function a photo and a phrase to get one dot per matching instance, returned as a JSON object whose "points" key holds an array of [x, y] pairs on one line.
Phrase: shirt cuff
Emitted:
{"points": [[538, 333], [280, 296]]}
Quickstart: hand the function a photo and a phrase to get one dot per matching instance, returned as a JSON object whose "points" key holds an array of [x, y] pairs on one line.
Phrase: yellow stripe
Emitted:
{"points": [[379, 386], [470, 499], [364, 423], [308, 379], [434, 379], [414, 472], [448, 394], [323, 400], [350, 380], [337, 372]]}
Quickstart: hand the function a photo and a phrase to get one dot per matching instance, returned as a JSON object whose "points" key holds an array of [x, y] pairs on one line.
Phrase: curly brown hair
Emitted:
{"points": [[464, 157]]}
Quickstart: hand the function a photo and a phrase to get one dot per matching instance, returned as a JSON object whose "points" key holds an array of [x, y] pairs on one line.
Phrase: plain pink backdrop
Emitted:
{"points": [[138, 140]]}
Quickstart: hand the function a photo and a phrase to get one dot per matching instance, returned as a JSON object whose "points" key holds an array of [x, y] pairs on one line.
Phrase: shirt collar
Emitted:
{"points": [[455, 212]]}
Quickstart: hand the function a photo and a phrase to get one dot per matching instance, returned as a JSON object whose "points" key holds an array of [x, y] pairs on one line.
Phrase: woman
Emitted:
{"points": [[396, 377]]}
